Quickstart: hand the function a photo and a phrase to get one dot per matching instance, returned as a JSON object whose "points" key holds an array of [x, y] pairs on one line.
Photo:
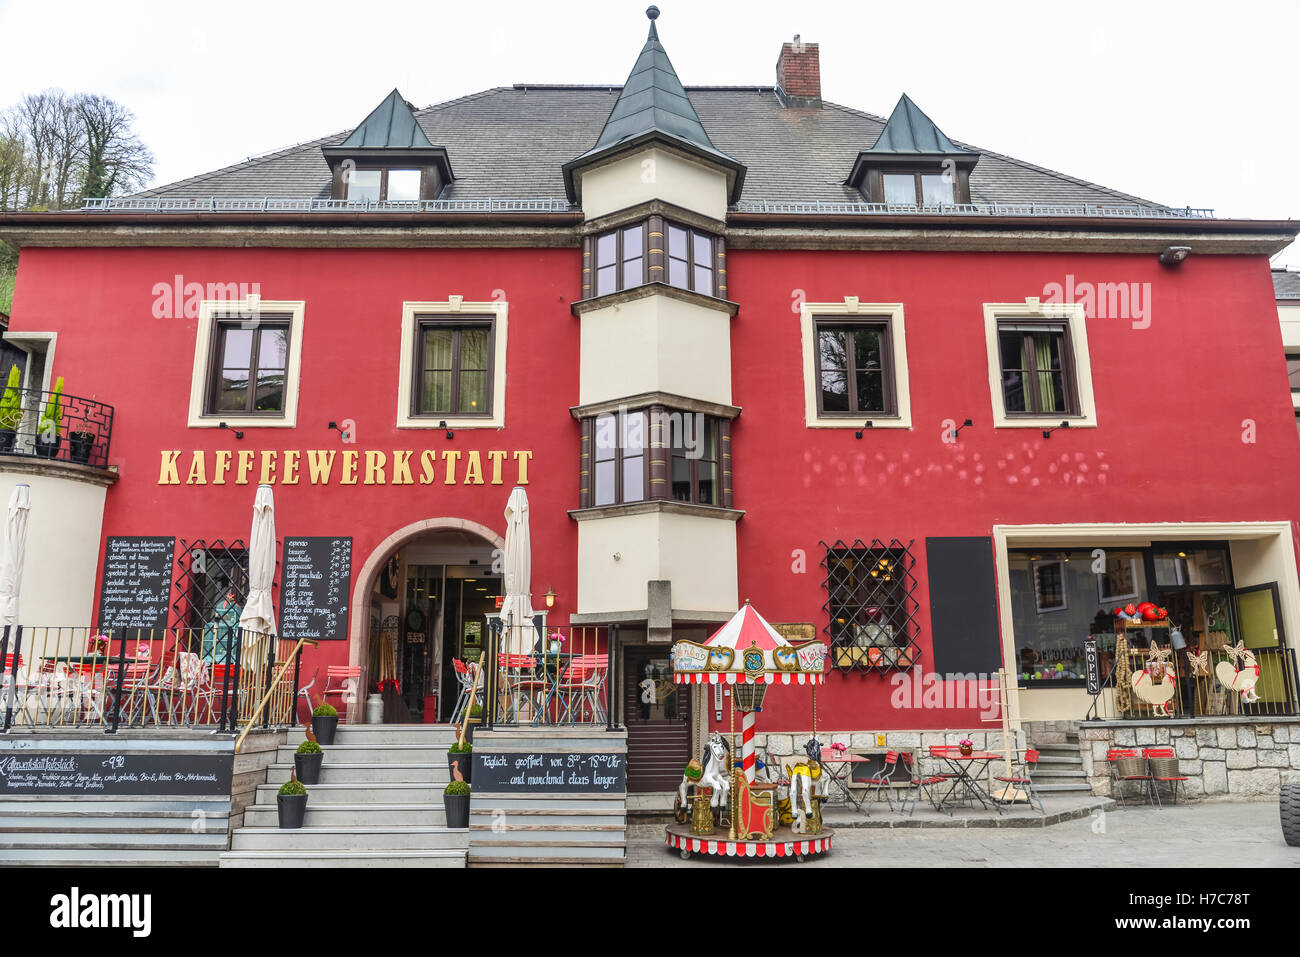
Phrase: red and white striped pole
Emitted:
{"points": [[747, 722]]}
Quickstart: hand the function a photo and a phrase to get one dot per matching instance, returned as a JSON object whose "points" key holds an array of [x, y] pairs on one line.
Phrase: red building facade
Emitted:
{"points": [[968, 491]]}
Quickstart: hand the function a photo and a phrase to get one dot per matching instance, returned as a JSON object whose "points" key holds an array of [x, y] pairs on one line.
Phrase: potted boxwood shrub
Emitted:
{"points": [[307, 761], [455, 803], [324, 722], [462, 753], [11, 411], [291, 803]]}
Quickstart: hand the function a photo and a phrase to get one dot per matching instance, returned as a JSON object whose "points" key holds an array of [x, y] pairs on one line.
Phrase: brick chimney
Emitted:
{"points": [[799, 75]]}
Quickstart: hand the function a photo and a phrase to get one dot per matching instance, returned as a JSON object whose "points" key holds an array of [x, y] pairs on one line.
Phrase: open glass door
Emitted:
{"points": [[1259, 624]]}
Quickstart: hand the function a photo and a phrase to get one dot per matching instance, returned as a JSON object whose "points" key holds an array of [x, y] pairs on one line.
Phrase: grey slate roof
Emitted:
{"points": [[1286, 284], [511, 143], [909, 130], [391, 124]]}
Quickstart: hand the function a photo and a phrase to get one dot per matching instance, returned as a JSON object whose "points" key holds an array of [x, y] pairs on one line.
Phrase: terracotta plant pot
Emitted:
{"points": [[307, 767], [292, 808], [324, 727]]}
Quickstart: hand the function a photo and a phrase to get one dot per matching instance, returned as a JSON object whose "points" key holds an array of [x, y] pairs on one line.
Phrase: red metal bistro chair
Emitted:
{"points": [[882, 782], [1021, 778], [336, 683], [1128, 767], [1163, 767], [921, 783]]}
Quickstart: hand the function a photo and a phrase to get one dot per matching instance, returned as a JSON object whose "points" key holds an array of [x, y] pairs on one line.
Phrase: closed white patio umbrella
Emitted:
{"points": [[13, 550], [517, 608], [258, 617]]}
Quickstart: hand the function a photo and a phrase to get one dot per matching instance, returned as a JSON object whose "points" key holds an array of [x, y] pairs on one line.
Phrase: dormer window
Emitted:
{"points": [[912, 163], [382, 185], [388, 159], [918, 188]]}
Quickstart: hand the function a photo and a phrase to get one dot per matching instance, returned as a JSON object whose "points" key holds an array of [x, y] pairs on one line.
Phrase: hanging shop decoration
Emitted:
{"points": [[724, 808], [1241, 674]]}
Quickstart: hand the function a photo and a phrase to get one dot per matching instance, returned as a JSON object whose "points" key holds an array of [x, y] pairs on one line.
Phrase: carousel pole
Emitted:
{"points": [[747, 722], [731, 771]]}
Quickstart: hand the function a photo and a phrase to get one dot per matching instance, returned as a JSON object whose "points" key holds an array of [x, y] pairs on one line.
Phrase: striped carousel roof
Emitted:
{"points": [[747, 648]]}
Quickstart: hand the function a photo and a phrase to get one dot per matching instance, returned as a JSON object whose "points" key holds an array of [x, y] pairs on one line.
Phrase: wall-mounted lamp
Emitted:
{"points": [[339, 429], [1047, 433], [550, 597], [442, 424], [238, 434], [865, 425], [1173, 255], [957, 431]]}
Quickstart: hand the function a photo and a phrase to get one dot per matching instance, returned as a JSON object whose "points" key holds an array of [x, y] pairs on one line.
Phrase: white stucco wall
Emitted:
{"points": [[654, 174]]}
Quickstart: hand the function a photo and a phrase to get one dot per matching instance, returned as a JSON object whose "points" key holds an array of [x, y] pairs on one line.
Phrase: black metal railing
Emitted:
{"points": [[1143, 687], [67, 429], [564, 678], [212, 677]]}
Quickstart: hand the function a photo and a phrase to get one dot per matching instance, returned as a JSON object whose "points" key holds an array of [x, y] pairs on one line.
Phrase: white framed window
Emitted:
{"points": [[1040, 372], [855, 365], [452, 365], [247, 364]]}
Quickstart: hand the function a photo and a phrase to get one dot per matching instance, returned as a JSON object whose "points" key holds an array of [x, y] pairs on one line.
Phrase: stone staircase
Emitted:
{"points": [[555, 828], [379, 804], [128, 831], [1060, 767]]}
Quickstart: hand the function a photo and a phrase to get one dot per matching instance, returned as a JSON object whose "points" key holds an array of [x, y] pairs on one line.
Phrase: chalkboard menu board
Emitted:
{"points": [[963, 606], [79, 773], [549, 771], [137, 582], [315, 583]]}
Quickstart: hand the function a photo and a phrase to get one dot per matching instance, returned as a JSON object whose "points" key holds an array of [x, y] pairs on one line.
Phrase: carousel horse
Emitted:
{"points": [[714, 773], [806, 784]]}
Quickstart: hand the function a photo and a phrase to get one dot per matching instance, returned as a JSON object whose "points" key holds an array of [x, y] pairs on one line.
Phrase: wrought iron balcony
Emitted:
{"points": [[80, 433]]}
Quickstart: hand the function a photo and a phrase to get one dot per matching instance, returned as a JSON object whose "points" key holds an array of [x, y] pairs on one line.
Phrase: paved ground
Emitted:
{"points": [[1237, 834]]}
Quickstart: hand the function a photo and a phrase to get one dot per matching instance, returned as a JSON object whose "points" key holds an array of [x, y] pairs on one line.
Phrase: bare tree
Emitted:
{"points": [[57, 149]]}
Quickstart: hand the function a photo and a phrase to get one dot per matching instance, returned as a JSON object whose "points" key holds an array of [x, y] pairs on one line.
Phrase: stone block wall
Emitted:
{"points": [[1230, 757]]}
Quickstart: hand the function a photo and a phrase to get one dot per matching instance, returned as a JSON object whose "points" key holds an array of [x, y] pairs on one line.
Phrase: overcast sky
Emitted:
{"points": [[1182, 103]]}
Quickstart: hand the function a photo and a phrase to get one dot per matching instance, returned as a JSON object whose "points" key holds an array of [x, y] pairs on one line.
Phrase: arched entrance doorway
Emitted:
{"points": [[420, 599]]}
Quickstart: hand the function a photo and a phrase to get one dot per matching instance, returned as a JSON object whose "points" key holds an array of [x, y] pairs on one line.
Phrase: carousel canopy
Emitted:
{"points": [[748, 649]]}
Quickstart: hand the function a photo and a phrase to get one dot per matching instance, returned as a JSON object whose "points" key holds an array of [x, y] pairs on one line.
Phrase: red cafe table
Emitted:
{"points": [[965, 784]]}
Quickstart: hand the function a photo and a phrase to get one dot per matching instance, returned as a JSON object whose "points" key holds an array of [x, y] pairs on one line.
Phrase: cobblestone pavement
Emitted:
{"points": [[1227, 834]]}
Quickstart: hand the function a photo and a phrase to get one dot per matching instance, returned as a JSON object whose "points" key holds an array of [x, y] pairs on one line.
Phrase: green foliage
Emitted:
{"points": [[472, 656], [52, 415], [310, 747], [292, 787], [324, 710], [476, 711], [456, 787], [458, 748], [11, 403]]}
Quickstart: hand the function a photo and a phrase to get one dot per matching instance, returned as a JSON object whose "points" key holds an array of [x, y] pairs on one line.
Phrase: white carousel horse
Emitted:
{"points": [[716, 773]]}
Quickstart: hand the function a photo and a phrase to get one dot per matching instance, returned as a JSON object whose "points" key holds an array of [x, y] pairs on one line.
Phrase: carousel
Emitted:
{"points": [[740, 809]]}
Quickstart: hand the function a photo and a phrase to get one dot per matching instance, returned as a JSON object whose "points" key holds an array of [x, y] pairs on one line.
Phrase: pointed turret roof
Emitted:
{"points": [[909, 130], [653, 105], [391, 125]]}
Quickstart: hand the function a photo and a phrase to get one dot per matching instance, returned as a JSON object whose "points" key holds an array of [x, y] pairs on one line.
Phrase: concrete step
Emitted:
{"points": [[542, 851], [433, 735], [1058, 788], [170, 807], [85, 824], [109, 839], [434, 858], [349, 839], [600, 804], [110, 857], [357, 793], [373, 754], [486, 816], [1059, 773], [432, 774], [1055, 759], [352, 815]]}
